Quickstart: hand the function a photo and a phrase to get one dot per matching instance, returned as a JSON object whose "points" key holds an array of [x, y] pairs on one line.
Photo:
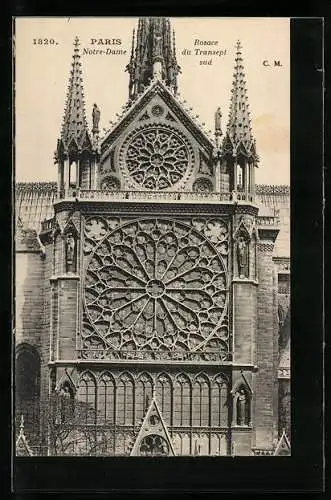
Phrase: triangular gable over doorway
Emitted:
{"points": [[153, 438], [283, 447]]}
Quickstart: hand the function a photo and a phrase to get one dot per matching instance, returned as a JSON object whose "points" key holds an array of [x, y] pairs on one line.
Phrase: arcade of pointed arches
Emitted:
{"points": [[122, 400]]}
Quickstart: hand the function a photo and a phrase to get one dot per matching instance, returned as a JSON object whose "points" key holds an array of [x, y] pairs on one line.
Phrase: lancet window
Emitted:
{"points": [[86, 400], [164, 397], [143, 395], [201, 407], [106, 399], [200, 401]]}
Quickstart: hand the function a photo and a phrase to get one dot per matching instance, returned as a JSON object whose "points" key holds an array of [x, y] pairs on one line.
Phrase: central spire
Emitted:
{"points": [[153, 55]]}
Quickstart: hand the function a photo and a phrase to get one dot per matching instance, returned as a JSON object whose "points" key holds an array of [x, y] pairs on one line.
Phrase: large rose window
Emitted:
{"points": [[156, 284], [156, 158]]}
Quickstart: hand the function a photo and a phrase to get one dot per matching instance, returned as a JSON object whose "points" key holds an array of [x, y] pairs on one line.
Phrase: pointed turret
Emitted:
{"points": [[239, 148], [239, 127], [74, 127], [152, 56], [76, 149]]}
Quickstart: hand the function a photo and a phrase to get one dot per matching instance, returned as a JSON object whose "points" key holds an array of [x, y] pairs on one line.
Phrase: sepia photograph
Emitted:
{"points": [[152, 237]]}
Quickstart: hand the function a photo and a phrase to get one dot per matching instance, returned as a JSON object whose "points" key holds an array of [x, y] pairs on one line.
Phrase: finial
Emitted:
{"points": [[22, 424], [76, 41], [132, 47], [238, 46]]}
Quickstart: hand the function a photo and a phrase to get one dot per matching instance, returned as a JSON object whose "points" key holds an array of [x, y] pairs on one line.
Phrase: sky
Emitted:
{"points": [[42, 75]]}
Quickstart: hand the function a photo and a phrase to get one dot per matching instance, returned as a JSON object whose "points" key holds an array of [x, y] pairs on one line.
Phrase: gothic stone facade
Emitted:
{"points": [[147, 317]]}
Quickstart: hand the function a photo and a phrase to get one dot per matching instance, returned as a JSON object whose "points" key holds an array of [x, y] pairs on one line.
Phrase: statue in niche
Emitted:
{"points": [[158, 45], [70, 253], [242, 408], [65, 403], [218, 120], [147, 402], [242, 255], [95, 117], [52, 378]]}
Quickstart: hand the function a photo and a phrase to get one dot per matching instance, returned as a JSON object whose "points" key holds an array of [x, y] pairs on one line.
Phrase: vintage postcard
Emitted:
{"points": [[152, 237]]}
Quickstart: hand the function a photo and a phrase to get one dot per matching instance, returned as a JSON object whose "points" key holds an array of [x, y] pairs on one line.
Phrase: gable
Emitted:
{"points": [[156, 129], [153, 438], [283, 447]]}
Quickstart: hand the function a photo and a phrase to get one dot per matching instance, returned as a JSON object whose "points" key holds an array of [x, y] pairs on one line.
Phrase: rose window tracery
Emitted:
{"points": [[203, 186], [110, 184], [153, 445], [155, 284], [157, 157]]}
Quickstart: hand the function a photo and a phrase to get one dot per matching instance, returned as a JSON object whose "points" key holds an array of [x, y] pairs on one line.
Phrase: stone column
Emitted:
{"points": [[66, 174]]}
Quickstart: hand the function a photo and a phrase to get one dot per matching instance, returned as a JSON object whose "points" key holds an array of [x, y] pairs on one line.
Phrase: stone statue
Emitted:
{"points": [[218, 120], [65, 403], [52, 378], [242, 255], [147, 402], [158, 45], [64, 392], [95, 117], [241, 408], [70, 253]]}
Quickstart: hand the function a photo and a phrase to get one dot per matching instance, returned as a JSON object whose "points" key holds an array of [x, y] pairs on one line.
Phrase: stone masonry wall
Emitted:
{"points": [[265, 413]]}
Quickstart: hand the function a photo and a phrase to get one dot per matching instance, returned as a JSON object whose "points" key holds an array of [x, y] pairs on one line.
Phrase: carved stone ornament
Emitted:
{"points": [[157, 285], [157, 110], [203, 186], [248, 221], [110, 183]]}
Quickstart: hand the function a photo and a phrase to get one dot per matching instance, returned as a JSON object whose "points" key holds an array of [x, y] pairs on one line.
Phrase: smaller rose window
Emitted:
{"points": [[203, 186], [157, 158], [110, 184], [154, 446]]}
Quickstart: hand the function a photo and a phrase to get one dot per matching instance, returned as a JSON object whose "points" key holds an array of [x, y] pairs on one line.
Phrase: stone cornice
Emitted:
{"points": [[67, 276], [153, 362], [245, 281], [156, 207]]}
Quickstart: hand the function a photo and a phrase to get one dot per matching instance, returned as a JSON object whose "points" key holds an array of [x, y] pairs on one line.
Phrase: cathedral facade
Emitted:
{"points": [[152, 305]]}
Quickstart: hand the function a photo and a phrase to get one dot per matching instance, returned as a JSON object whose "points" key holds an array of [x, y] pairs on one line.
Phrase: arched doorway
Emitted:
{"points": [[27, 389]]}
